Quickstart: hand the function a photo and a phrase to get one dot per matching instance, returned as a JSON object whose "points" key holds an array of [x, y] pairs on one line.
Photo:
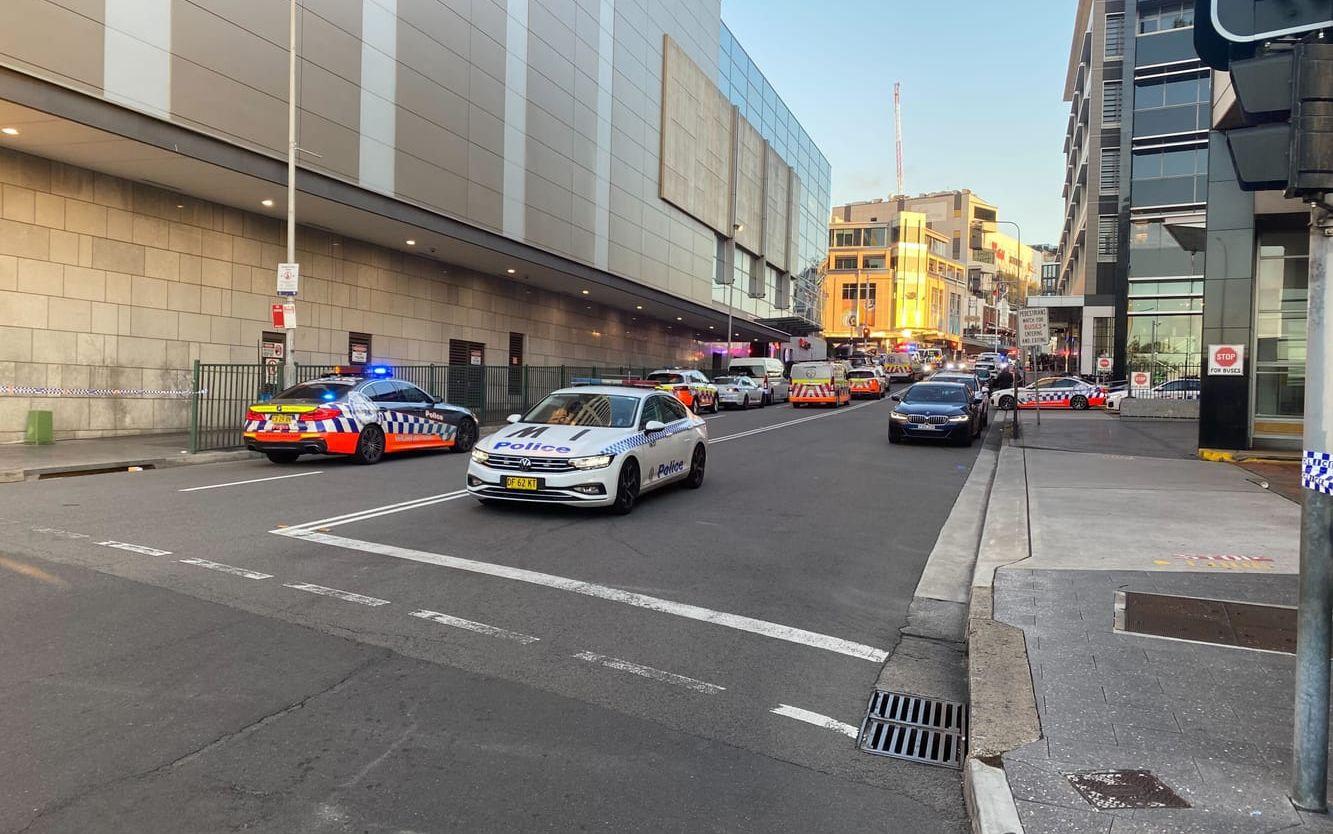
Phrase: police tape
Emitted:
{"points": [[1317, 472], [43, 391]]}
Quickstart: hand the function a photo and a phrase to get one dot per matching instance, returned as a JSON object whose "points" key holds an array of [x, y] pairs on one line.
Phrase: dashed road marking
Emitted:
{"points": [[373, 512], [346, 596], [651, 673], [479, 628], [136, 548], [783, 425], [815, 718], [739, 622], [251, 481], [218, 566]]}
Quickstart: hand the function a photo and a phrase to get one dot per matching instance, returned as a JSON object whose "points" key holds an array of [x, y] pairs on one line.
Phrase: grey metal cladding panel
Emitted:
{"points": [[486, 91], [485, 130], [438, 22], [552, 22], [490, 17], [485, 168], [487, 53], [330, 96], [545, 162], [545, 128], [77, 55], [327, 45], [338, 145], [430, 142], [435, 90], [549, 96], [430, 185], [225, 107], [264, 18]]}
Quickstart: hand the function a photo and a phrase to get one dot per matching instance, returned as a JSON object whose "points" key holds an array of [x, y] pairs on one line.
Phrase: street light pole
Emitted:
{"points": [[289, 361], [1310, 739]]}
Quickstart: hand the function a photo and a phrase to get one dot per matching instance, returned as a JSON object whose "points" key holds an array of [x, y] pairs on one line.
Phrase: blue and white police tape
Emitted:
{"points": [[1317, 472], [44, 391]]}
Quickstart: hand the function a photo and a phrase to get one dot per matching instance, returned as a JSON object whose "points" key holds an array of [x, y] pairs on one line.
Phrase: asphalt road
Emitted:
{"points": [[359, 649]]}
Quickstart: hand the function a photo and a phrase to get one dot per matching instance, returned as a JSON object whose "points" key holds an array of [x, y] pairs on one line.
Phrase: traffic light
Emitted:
{"points": [[1286, 98]]}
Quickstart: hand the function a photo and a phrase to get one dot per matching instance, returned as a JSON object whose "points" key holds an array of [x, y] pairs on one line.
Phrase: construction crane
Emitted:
{"points": [[898, 131]]}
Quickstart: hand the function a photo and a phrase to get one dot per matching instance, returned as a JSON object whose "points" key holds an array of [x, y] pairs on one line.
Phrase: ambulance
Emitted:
{"points": [[898, 368], [820, 383]]}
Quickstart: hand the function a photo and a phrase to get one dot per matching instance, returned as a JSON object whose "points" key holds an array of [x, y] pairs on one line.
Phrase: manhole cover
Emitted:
{"points": [[1120, 789], [918, 729]]}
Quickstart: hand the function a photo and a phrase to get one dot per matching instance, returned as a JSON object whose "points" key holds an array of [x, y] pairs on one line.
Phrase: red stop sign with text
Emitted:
{"points": [[1225, 356]]}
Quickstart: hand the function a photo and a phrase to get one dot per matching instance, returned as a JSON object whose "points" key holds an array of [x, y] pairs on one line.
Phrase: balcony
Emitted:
{"points": [[1166, 47]]}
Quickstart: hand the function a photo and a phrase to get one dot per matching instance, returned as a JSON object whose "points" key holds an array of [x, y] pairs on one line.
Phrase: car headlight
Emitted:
{"points": [[959, 418], [894, 415], [479, 456], [593, 462]]}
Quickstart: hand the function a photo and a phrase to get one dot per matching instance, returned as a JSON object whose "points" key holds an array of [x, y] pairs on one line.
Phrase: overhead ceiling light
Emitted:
{"points": [[710, 327], [266, 203], [678, 318], [9, 131], [585, 292], [411, 243], [638, 306], [180, 205], [510, 271]]}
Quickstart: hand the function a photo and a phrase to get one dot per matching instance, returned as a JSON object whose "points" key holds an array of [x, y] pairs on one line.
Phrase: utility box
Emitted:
{"points": [[39, 429]]}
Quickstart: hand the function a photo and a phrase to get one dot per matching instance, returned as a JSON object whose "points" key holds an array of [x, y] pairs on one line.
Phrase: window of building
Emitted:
{"points": [[845, 237], [758, 272], [1281, 292], [1108, 243], [1172, 104], [1115, 35], [858, 304], [781, 290], [1110, 172], [1111, 99], [844, 262], [873, 262], [1163, 17], [874, 236], [1103, 335], [720, 261], [1169, 176]]}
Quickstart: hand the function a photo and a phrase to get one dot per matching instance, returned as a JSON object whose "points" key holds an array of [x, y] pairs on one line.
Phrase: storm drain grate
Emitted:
{"points": [[926, 730], [1109, 790]]}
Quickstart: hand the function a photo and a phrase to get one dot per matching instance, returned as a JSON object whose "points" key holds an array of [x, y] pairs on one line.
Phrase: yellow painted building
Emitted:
{"points": [[892, 280]]}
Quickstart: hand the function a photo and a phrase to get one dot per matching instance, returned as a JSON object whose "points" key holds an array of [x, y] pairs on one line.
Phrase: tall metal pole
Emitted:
{"points": [[289, 362], [1310, 740]]}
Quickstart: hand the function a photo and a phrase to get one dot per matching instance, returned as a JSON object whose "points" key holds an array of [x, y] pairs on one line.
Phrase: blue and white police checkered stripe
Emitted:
{"points": [[1317, 472], [1053, 396], [634, 441], [398, 422], [338, 424]]}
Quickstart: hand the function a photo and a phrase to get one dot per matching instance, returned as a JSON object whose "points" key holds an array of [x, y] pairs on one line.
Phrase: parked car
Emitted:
{"points": [[766, 371], [936, 411], [738, 391], [867, 382], [1052, 392], [1176, 389], [691, 387]]}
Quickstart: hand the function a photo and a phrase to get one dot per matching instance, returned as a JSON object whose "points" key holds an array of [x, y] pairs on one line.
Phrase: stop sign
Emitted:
{"points": [[1226, 360], [1225, 356]]}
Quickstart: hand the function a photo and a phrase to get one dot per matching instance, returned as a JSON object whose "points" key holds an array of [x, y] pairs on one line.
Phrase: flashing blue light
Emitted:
{"points": [[329, 396], [380, 370]]}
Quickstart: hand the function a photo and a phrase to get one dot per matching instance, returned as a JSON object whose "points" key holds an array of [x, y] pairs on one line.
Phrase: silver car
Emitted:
{"points": [[738, 391]]}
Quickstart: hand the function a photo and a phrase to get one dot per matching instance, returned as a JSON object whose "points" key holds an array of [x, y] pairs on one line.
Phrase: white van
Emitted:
{"points": [[766, 371]]}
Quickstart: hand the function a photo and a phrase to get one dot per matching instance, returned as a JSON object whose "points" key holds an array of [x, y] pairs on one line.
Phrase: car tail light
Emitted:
{"points": [[326, 412], [252, 416]]}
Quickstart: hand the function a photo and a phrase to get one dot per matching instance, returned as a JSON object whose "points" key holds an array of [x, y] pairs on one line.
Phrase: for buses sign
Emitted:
{"points": [[1226, 360]]}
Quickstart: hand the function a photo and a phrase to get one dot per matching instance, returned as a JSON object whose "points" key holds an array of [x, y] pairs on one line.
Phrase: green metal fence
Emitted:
{"points": [[493, 392]]}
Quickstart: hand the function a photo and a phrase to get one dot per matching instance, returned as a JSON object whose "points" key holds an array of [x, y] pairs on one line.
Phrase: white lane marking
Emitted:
{"points": [[783, 425], [651, 673], [136, 548], [815, 718], [218, 566], [578, 586], [480, 628], [348, 518], [251, 481], [346, 596], [367, 516]]}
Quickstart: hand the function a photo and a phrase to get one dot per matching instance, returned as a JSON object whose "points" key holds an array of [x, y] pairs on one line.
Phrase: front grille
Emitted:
{"points": [[938, 420], [916, 418], [918, 729], [535, 464]]}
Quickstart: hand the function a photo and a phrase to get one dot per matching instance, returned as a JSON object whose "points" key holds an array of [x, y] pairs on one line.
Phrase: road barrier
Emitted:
{"points": [[217, 413]]}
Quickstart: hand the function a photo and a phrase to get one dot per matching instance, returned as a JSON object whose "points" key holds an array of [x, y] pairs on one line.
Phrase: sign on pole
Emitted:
{"points": [[1140, 381], [1034, 328], [1226, 360], [284, 316], [1104, 364], [289, 278]]}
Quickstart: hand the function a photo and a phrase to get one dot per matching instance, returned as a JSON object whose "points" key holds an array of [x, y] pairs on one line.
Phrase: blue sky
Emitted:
{"points": [[982, 93]]}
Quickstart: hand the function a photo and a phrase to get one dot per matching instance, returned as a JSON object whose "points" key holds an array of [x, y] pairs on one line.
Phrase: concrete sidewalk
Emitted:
{"points": [[1212, 722], [20, 462]]}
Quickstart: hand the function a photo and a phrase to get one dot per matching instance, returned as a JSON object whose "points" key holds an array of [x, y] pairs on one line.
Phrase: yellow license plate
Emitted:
{"points": [[280, 419], [521, 483]]}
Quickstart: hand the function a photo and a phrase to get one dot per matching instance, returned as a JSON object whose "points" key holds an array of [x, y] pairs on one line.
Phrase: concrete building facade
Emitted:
{"points": [[488, 174]]}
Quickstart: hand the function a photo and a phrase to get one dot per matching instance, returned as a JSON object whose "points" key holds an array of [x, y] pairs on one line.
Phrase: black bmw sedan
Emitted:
{"points": [[935, 410]]}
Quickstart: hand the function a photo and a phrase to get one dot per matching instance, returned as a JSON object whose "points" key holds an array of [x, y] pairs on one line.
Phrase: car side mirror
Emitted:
{"points": [[895, 398], [513, 418], [654, 425]]}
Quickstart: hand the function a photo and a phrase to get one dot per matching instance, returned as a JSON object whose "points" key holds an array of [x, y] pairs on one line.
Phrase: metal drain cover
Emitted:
{"points": [[926, 730], [1119, 789]]}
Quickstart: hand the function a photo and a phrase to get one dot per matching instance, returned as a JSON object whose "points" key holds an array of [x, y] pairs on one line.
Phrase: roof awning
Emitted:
{"points": [[795, 325]]}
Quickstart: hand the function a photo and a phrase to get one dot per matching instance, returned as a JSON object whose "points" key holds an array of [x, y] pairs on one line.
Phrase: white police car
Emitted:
{"points": [[597, 445]]}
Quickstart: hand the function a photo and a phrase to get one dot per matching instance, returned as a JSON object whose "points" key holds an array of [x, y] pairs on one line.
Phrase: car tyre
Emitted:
{"points": [[765, 400], [466, 437], [698, 463], [1079, 403], [283, 457], [895, 437], [1007, 402], [627, 488], [717, 405], [745, 403], [966, 439], [369, 445]]}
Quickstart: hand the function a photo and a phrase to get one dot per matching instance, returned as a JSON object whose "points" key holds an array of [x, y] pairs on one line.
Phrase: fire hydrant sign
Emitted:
{"points": [[284, 316], [289, 278], [1226, 360]]}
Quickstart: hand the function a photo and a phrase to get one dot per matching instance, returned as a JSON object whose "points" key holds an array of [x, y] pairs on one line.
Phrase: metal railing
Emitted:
{"points": [[217, 415], [1162, 371]]}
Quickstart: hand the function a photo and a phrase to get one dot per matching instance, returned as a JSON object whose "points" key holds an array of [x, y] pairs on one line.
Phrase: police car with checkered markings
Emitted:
{"points": [[1052, 392], [359, 413], [599, 444]]}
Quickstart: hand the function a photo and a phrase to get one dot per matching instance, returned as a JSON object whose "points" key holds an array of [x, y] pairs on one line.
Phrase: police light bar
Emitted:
{"points": [[631, 382], [377, 371]]}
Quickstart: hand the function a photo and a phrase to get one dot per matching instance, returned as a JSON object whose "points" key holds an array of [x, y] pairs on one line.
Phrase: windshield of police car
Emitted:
{"points": [[578, 408], [941, 393]]}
